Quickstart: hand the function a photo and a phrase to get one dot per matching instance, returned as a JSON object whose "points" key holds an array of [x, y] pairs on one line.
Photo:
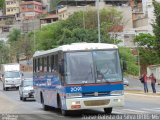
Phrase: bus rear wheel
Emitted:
{"points": [[45, 107], [108, 111]]}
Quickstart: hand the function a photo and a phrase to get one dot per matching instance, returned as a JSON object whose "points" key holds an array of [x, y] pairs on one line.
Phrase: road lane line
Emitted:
{"points": [[152, 109], [137, 111]]}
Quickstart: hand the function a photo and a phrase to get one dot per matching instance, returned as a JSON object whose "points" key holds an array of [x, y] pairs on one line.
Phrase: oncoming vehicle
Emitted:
{"points": [[26, 89], [125, 81], [11, 75], [70, 77]]}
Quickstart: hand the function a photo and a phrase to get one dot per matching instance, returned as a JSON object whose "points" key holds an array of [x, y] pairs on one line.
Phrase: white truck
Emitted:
{"points": [[11, 75]]}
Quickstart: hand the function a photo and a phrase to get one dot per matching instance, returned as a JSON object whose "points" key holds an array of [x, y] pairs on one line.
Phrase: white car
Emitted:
{"points": [[26, 89]]}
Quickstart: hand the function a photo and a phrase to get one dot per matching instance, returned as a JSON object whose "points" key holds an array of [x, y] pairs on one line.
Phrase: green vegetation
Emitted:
{"points": [[20, 44], [4, 54], [156, 26], [78, 28], [2, 4], [147, 50], [126, 54]]}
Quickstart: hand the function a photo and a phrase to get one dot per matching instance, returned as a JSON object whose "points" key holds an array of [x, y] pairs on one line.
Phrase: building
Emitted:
{"points": [[12, 7], [30, 9], [5, 26], [48, 20], [155, 69]]}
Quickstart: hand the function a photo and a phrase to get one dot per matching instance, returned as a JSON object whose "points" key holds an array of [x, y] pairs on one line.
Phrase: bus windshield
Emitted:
{"points": [[79, 68], [93, 67]]}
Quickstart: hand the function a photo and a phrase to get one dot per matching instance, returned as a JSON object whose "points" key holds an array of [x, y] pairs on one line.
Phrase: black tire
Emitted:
{"points": [[4, 88], [20, 98], [45, 107], [24, 99], [108, 111], [17, 88], [7, 88]]}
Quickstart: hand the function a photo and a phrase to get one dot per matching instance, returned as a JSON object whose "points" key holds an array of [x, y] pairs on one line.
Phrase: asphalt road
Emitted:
{"points": [[12, 107]]}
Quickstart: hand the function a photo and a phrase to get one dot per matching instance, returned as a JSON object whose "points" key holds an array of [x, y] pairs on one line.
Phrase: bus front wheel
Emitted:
{"points": [[108, 110], [63, 112]]}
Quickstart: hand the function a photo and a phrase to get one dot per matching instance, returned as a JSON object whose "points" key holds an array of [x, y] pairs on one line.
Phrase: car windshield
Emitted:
{"points": [[28, 83], [93, 67], [11, 74]]}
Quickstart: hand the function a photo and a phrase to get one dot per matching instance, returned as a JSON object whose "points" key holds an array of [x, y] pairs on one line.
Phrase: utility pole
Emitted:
{"points": [[98, 19], [139, 61]]}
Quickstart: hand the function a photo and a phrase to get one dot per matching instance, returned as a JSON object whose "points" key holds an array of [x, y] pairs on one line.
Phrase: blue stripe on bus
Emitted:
{"points": [[99, 88]]}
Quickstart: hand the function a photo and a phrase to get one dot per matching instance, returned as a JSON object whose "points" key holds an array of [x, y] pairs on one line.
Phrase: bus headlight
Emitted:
{"points": [[72, 95], [117, 92]]}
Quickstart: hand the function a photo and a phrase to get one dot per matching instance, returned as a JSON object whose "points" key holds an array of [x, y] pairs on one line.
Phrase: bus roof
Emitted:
{"points": [[77, 46]]}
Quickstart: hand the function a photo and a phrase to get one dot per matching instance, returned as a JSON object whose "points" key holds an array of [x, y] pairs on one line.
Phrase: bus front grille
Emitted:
{"points": [[95, 94], [96, 102]]}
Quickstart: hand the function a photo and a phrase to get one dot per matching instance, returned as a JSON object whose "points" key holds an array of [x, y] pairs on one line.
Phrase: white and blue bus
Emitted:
{"points": [[73, 77]]}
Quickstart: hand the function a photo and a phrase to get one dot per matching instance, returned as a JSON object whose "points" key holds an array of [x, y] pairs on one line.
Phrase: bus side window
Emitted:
{"points": [[61, 67]]}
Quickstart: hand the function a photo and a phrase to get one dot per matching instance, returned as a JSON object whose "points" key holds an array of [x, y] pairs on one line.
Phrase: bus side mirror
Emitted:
{"points": [[124, 65]]}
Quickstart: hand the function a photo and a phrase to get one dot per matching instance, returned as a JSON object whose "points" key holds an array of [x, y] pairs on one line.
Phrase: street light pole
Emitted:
{"points": [[98, 19], [84, 25]]}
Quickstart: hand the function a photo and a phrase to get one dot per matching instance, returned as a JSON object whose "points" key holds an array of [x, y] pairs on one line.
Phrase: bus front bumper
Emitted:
{"points": [[94, 102]]}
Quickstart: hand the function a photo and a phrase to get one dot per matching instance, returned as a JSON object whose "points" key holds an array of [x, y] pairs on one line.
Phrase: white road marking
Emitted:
{"points": [[152, 109], [135, 111]]}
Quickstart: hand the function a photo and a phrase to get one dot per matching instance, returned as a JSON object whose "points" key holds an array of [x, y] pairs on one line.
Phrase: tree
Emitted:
{"points": [[156, 25], [20, 44], [145, 40], [14, 35], [147, 50], [127, 56], [72, 29], [4, 54], [2, 4]]}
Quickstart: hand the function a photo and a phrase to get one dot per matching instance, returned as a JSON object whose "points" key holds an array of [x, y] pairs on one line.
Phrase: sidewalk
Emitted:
{"points": [[140, 91], [136, 87]]}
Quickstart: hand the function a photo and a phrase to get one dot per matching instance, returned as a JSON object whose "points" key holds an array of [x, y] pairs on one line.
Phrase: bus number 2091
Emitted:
{"points": [[76, 89]]}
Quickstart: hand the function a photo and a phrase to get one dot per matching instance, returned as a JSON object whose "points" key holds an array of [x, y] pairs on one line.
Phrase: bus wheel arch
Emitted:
{"points": [[59, 105], [45, 107]]}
